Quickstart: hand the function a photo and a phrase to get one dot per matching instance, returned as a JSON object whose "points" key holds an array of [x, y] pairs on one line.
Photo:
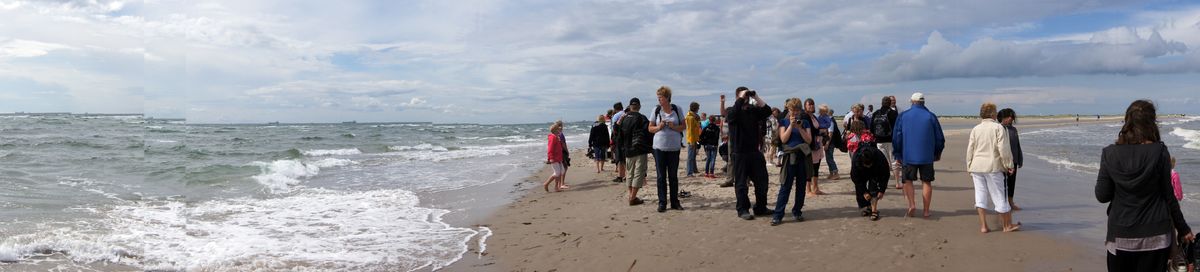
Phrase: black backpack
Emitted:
{"points": [[880, 126], [710, 135], [837, 141]]}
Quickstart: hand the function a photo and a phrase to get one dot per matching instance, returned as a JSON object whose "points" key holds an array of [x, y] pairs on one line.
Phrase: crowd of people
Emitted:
{"points": [[1136, 175]]}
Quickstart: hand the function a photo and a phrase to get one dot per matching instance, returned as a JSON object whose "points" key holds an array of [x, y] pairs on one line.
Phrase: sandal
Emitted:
{"points": [[875, 216]]}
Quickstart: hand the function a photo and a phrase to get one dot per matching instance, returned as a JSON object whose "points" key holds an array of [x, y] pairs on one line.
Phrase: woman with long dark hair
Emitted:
{"points": [[1135, 180]]}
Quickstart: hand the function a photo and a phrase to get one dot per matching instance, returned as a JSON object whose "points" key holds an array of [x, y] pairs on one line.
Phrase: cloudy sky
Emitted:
{"points": [[536, 61]]}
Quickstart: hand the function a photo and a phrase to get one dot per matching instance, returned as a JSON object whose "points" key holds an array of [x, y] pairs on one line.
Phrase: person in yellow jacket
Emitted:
{"points": [[692, 137]]}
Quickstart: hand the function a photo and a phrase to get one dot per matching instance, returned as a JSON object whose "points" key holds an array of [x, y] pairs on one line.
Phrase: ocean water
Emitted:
{"points": [[174, 196], [1057, 184]]}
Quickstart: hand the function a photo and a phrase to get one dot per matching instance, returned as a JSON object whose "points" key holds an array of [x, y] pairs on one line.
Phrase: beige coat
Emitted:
{"points": [[988, 150]]}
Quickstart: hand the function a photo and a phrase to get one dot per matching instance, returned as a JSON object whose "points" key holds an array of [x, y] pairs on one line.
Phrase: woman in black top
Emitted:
{"points": [[598, 142], [1007, 117], [1134, 178]]}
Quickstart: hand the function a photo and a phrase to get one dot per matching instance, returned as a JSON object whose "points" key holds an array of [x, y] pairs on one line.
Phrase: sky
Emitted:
{"points": [[539, 61]]}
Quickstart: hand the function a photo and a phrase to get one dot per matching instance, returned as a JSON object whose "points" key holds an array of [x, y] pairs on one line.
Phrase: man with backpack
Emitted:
{"points": [[635, 141], [884, 120]]}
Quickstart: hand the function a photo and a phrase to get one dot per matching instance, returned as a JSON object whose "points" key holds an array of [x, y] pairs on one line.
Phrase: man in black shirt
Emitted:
{"points": [[745, 139]]}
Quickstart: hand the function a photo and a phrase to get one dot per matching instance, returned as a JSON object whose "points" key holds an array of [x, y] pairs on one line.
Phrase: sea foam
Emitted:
{"points": [[331, 152], [313, 229], [281, 175], [1191, 136]]}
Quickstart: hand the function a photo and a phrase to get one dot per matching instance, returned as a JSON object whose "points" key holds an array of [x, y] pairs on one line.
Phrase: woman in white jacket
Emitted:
{"points": [[988, 158]]}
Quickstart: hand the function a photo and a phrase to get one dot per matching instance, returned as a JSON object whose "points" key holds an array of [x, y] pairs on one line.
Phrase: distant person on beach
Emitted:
{"points": [[818, 149], [692, 120], [668, 125], [709, 138], [562, 180], [723, 148], [870, 108], [796, 138], [856, 112], [618, 153], [598, 142], [825, 123], [636, 142], [1134, 179], [746, 118], [917, 142], [554, 151], [988, 157], [884, 121], [772, 137], [1175, 183], [1007, 117]]}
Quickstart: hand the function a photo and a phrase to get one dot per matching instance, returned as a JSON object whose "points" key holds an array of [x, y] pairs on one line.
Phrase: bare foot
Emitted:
{"points": [[819, 192], [564, 187], [1014, 207], [910, 212], [927, 213], [983, 230], [1013, 228], [546, 187]]}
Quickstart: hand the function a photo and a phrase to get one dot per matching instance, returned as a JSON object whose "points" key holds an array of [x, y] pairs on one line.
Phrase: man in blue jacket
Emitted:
{"points": [[917, 142]]}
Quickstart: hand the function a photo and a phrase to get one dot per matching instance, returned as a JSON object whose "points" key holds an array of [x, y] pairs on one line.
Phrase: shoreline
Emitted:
{"points": [[591, 226]]}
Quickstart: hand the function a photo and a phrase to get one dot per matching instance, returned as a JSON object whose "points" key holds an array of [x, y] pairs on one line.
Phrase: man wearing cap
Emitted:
{"points": [[745, 139], [636, 141], [917, 142]]}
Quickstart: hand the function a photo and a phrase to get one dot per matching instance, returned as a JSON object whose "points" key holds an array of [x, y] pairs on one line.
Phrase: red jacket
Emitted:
{"points": [[554, 151]]}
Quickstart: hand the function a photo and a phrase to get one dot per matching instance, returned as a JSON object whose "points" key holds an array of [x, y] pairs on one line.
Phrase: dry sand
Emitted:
{"points": [[591, 228]]}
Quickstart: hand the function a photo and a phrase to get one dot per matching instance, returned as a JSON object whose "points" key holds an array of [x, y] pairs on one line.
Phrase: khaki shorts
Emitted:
{"points": [[637, 171]]}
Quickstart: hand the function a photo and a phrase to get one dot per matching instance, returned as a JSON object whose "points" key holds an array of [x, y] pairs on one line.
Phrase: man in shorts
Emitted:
{"points": [[636, 142], [917, 142]]}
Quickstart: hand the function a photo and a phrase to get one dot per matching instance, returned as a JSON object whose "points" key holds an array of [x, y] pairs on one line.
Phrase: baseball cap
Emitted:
{"points": [[635, 101], [917, 96]]}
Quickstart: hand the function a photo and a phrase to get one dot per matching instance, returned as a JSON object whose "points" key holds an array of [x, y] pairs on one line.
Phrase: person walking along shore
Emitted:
{"points": [[917, 142]]}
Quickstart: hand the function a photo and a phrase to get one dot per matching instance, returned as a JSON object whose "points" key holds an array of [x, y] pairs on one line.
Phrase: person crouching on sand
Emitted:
{"points": [[554, 157], [988, 158], [870, 173]]}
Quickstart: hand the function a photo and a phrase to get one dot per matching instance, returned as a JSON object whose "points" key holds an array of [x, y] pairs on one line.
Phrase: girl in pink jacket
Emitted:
{"points": [[554, 157], [1175, 181]]}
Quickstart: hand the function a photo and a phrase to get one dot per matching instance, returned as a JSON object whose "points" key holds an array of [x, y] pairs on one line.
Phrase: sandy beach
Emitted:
{"points": [[591, 228]]}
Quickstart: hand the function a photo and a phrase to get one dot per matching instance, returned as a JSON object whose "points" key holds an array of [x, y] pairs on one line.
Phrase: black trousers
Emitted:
{"points": [[1155, 260], [750, 166]]}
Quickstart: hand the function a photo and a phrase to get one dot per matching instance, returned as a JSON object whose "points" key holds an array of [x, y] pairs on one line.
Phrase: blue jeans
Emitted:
{"points": [[710, 162], [666, 165], [793, 174], [829, 160], [691, 162]]}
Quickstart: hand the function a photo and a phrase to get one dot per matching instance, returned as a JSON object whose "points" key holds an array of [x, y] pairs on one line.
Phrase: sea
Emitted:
{"points": [[1056, 186], [81, 192]]}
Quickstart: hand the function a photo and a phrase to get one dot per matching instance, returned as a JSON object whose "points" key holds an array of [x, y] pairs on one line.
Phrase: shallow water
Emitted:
{"points": [[1057, 185], [175, 196]]}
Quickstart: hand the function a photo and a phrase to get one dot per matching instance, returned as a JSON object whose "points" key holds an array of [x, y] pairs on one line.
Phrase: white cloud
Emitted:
{"points": [[1115, 51], [18, 48]]}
